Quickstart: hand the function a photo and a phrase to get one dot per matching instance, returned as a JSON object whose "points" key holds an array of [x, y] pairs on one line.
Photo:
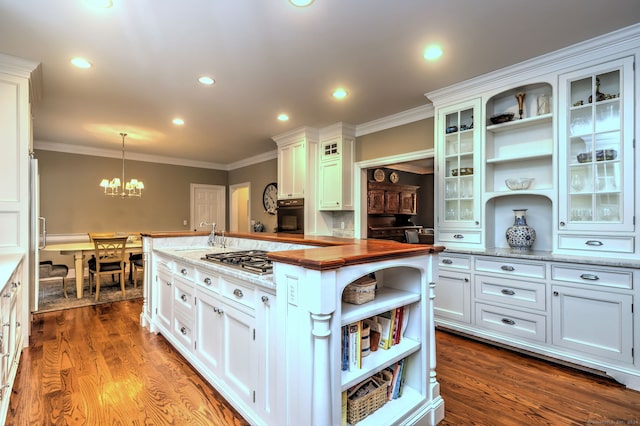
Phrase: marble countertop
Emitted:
{"points": [[548, 256]]}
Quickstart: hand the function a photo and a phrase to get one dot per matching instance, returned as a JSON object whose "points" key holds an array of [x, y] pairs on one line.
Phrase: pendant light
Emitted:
{"points": [[114, 187]]}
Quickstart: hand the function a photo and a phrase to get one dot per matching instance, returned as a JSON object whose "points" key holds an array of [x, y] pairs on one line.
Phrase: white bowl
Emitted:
{"points": [[518, 184]]}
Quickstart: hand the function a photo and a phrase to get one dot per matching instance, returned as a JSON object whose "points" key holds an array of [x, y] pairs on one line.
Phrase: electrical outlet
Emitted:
{"points": [[184, 222]]}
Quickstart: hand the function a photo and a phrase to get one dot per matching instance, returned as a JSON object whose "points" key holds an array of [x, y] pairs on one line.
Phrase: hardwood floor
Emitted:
{"points": [[96, 366]]}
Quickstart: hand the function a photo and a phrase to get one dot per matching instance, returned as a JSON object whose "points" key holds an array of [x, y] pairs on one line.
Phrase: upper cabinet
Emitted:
{"points": [[563, 121], [458, 184], [335, 177], [296, 163], [596, 167]]}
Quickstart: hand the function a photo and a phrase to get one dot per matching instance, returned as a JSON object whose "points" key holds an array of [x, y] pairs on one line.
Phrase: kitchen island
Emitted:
{"points": [[271, 343]]}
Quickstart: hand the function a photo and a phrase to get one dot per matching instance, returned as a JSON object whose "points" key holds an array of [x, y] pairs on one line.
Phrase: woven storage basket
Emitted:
{"points": [[360, 291], [359, 408]]}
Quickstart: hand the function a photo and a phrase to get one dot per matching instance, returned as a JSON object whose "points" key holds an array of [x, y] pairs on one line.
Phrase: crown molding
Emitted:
{"points": [[601, 48], [392, 159], [256, 159], [405, 117], [110, 153]]}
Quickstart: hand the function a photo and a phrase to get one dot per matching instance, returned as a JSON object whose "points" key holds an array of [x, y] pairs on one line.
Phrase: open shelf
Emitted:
{"points": [[386, 299], [520, 123]]}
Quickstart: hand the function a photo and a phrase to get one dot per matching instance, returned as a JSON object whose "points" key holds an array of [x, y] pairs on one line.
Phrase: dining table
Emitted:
{"points": [[78, 250]]}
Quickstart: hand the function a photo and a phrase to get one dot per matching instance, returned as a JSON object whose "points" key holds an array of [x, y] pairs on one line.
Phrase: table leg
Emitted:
{"points": [[79, 261]]}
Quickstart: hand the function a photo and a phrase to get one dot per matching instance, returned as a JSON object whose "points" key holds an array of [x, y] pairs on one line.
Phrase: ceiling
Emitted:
{"points": [[267, 57]]}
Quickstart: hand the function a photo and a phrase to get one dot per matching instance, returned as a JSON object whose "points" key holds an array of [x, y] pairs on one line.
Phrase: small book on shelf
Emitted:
{"points": [[386, 320], [355, 356]]}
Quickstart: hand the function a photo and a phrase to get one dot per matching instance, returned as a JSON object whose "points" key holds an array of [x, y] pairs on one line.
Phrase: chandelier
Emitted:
{"points": [[114, 187]]}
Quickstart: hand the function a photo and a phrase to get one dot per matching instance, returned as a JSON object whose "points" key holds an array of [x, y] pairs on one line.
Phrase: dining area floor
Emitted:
{"points": [[97, 366]]}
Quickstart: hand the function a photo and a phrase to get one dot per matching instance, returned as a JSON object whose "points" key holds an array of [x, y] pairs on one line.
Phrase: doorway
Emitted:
{"points": [[239, 207], [208, 205]]}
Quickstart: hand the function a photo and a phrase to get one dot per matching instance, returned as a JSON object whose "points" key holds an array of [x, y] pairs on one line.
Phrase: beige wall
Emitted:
{"points": [[410, 137], [72, 201], [259, 175]]}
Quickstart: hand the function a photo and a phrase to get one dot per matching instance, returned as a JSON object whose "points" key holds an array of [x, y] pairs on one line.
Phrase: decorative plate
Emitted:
{"points": [[378, 175], [393, 177]]}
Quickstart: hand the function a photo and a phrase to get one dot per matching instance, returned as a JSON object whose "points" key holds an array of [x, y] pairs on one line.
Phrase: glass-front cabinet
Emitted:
{"points": [[459, 185], [596, 162]]}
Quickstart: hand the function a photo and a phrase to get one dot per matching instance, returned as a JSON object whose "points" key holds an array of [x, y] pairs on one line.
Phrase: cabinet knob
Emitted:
{"points": [[466, 280], [183, 297], [183, 271], [562, 223], [207, 281], [265, 299], [168, 283], [238, 293], [183, 330], [555, 293]]}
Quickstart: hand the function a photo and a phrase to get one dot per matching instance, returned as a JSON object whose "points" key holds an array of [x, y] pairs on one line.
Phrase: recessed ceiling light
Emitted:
{"points": [[103, 4], [283, 117], [207, 81], [80, 63], [432, 52], [339, 93], [178, 121], [301, 3]]}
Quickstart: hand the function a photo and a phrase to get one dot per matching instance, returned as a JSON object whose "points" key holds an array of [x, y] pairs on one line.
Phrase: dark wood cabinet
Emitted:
{"points": [[386, 198]]}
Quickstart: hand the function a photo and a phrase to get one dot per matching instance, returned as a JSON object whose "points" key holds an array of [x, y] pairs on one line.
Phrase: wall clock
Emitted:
{"points": [[393, 177], [378, 175], [270, 197]]}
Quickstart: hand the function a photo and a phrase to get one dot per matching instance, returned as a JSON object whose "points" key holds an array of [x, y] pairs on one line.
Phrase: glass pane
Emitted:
{"points": [[581, 122], [608, 208], [580, 91], [451, 210], [608, 116], [580, 208]]}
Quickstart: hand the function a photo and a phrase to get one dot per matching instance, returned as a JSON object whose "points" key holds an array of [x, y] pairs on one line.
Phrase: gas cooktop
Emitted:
{"points": [[249, 260]]}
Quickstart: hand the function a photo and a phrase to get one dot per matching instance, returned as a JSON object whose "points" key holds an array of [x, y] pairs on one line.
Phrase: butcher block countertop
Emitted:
{"points": [[331, 252]]}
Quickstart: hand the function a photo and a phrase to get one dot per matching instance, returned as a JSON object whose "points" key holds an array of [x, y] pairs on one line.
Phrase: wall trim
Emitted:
{"points": [[405, 117]]}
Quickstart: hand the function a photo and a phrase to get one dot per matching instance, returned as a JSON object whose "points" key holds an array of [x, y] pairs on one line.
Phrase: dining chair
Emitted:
{"points": [[411, 236], [109, 259], [136, 266], [49, 270]]}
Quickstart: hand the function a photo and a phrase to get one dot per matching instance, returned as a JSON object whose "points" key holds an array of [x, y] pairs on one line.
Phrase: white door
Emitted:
{"points": [[239, 207], [208, 205]]}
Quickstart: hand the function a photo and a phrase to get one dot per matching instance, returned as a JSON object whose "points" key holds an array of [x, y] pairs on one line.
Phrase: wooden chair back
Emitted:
{"points": [[100, 234], [109, 250]]}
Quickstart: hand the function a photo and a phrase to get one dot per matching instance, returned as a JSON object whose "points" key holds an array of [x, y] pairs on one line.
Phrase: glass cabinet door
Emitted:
{"points": [[459, 183], [596, 168]]}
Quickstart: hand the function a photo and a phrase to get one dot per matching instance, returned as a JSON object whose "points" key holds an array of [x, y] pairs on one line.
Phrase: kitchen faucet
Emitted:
{"points": [[212, 237]]}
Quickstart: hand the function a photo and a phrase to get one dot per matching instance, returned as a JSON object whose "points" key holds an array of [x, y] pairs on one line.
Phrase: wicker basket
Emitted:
{"points": [[360, 407], [360, 291]]}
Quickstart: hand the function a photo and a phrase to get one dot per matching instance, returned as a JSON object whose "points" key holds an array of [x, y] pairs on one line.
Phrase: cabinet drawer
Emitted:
{"points": [[454, 261], [508, 266], [513, 292], [183, 297], [596, 244], [239, 292], [183, 330], [511, 322], [459, 237], [164, 263], [185, 271], [588, 275], [208, 279]]}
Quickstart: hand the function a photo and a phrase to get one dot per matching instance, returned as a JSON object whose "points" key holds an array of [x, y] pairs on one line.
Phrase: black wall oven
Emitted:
{"points": [[291, 216]]}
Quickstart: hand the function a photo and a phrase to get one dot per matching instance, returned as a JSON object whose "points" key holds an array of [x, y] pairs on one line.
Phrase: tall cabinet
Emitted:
{"points": [[568, 120], [15, 142]]}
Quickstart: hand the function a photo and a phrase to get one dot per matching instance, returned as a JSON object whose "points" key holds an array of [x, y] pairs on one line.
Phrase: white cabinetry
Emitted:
{"points": [[297, 153], [597, 159], [458, 184], [577, 312], [336, 168], [163, 292], [11, 329]]}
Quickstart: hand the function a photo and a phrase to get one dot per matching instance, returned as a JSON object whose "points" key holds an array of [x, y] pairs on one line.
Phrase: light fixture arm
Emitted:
{"points": [[116, 187]]}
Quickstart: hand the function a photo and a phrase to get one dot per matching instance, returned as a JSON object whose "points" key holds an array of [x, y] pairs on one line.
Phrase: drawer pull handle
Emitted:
{"points": [[183, 271], [590, 277], [508, 292], [447, 261], [507, 268], [265, 299], [237, 293], [458, 236], [508, 321], [466, 280], [207, 281], [183, 330], [183, 297], [594, 243]]}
